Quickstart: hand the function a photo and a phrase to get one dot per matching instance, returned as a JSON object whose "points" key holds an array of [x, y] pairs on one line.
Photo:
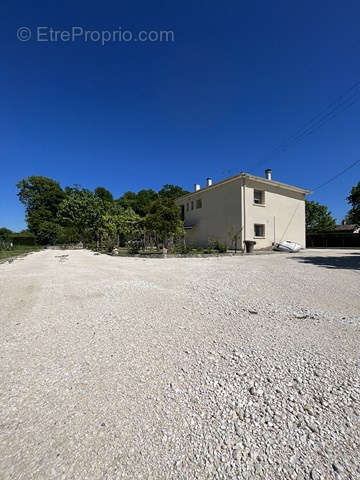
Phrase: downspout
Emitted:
{"points": [[243, 226], [274, 231]]}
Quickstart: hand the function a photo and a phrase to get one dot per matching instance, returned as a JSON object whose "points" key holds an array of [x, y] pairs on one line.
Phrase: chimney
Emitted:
{"points": [[268, 172], [208, 182], [196, 187]]}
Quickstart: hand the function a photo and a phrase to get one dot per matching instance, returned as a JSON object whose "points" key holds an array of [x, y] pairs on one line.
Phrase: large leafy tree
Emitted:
{"points": [[139, 202], [353, 199], [42, 197], [172, 192], [142, 201], [124, 223], [83, 211], [40, 192], [104, 194], [318, 218], [164, 219]]}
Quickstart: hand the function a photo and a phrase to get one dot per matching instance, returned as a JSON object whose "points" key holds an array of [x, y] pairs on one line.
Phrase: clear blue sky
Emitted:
{"points": [[239, 78]]}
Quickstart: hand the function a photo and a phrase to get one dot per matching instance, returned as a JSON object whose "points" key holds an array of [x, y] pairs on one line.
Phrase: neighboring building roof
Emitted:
{"points": [[347, 228], [247, 176]]}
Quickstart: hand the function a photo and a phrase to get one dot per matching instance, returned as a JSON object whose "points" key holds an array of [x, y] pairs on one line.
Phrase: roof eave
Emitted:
{"points": [[250, 177]]}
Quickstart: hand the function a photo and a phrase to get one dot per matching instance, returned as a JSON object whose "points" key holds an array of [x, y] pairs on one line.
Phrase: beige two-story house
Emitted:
{"points": [[244, 207]]}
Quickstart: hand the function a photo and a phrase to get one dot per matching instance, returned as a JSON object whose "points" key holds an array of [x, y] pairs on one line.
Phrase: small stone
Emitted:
{"points": [[315, 474], [337, 467]]}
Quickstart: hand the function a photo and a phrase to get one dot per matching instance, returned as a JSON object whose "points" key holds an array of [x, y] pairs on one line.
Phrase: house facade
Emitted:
{"points": [[244, 207]]}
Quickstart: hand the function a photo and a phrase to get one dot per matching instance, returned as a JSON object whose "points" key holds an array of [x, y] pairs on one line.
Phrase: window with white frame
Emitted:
{"points": [[192, 205], [259, 197], [259, 230], [198, 203]]}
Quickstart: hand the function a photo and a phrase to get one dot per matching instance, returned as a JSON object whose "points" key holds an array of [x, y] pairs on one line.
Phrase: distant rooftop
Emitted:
{"points": [[347, 228]]}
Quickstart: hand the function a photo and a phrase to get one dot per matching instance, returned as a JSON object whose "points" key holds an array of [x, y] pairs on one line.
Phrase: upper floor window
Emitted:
{"points": [[192, 205], [187, 207], [198, 203], [259, 197]]}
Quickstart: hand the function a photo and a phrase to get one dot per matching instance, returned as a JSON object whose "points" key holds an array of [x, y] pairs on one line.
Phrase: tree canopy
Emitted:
{"points": [[81, 209], [164, 219], [141, 201], [41, 197], [76, 213], [104, 194], [172, 192], [318, 217], [40, 193]]}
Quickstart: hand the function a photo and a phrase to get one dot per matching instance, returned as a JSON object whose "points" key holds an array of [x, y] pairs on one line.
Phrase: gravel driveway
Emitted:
{"points": [[204, 368]]}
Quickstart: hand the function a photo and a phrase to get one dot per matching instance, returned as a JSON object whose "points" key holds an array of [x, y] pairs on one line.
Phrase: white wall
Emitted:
{"points": [[283, 215], [219, 216]]}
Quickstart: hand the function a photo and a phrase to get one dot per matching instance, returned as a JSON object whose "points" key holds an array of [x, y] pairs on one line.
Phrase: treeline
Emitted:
{"points": [[76, 214], [319, 218]]}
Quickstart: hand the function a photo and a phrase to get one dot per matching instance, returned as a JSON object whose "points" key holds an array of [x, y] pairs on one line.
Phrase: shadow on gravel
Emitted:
{"points": [[349, 261]]}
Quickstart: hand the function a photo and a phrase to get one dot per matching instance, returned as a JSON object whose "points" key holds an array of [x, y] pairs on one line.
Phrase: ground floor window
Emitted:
{"points": [[259, 230]]}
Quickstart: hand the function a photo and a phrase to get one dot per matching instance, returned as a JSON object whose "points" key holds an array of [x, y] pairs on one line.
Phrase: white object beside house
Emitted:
{"points": [[288, 246], [244, 207]]}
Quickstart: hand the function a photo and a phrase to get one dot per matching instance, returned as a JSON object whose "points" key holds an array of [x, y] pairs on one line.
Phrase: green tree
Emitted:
{"points": [[126, 224], [5, 234], [164, 219], [83, 211], [104, 194], [142, 201], [172, 192], [139, 202], [353, 199], [318, 217], [41, 197], [40, 192], [47, 233]]}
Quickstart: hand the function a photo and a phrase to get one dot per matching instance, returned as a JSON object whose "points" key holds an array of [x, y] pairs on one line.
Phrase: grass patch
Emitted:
{"points": [[18, 250]]}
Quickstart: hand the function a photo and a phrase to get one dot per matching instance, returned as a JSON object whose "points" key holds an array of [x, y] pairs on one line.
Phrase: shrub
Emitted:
{"points": [[134, 246], [220, 247]]}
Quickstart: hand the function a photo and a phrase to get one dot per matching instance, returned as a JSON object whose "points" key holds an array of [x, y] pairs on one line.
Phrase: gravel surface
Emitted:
{"points": [[209, 368]]}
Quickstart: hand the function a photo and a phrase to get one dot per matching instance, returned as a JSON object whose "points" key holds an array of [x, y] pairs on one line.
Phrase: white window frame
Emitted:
{"points": [[262, 201], [263, 227]]}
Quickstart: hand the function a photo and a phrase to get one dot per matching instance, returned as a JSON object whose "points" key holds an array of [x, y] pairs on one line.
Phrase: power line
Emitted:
{"points": [[329, 116], [342, 103], [337, 175], [338, 103]]}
